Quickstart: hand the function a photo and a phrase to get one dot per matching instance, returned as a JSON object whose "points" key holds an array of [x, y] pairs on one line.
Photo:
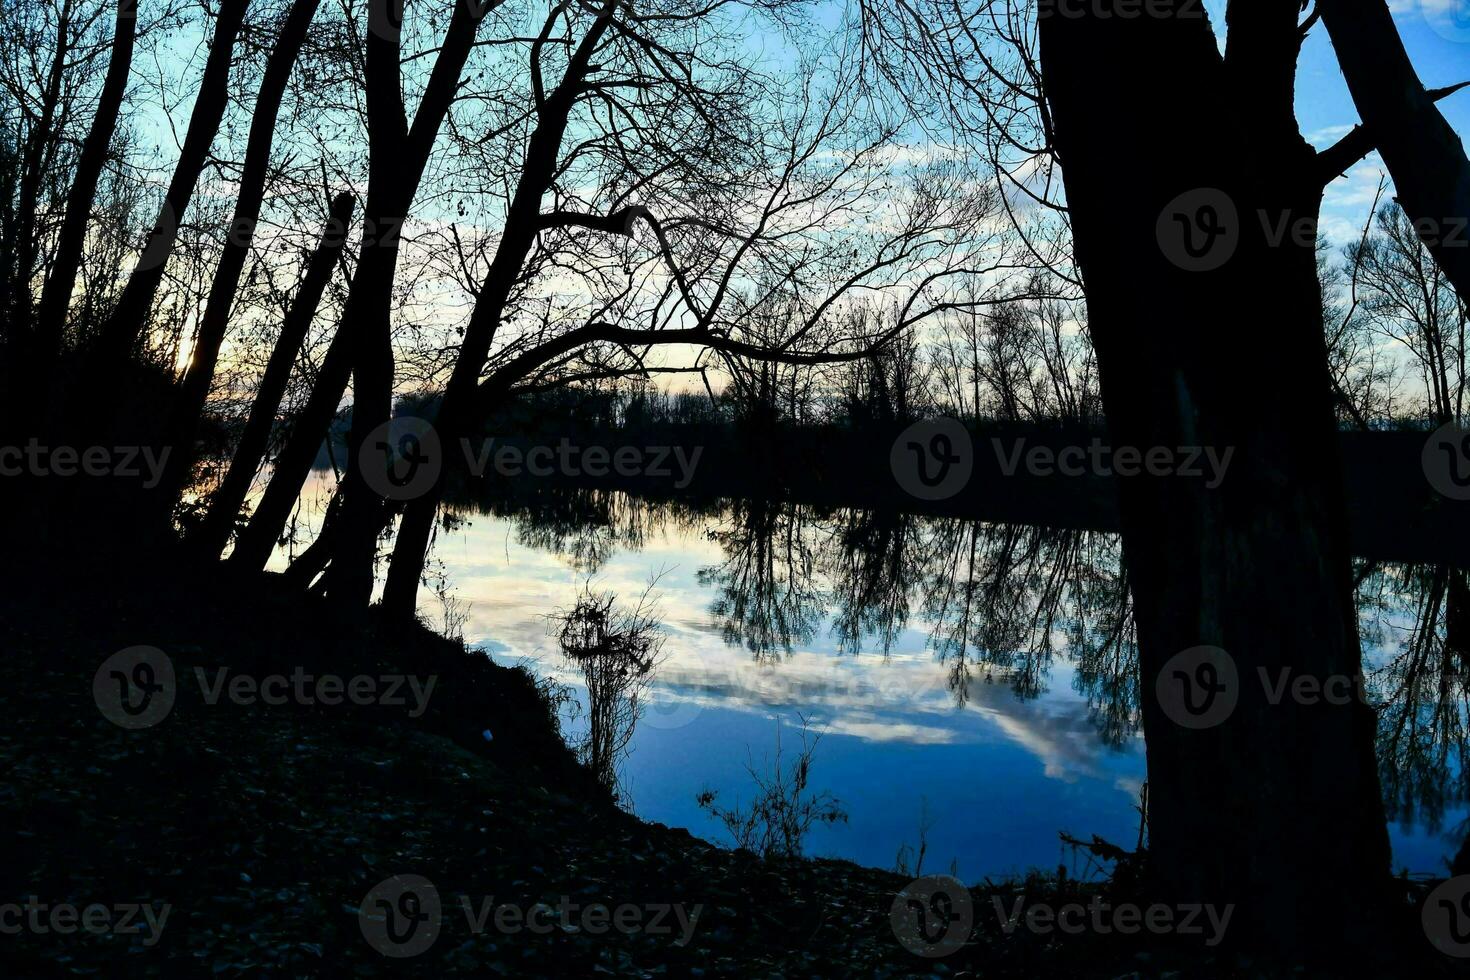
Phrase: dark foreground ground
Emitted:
{"points": [[263, 831]]}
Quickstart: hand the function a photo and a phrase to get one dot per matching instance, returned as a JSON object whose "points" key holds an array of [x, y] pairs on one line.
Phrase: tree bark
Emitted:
{"points": [[129, 319], [1276, 807], [213, 534], [212, 326], [56, 293]]}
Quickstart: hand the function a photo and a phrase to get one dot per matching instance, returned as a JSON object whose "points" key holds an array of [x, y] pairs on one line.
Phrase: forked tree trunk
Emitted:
{"points": [[210, 538], [398, 166], [212, 326], [1276, 808]]}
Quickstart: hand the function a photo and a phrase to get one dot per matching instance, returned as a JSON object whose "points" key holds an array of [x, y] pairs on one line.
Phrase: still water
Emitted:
{"points": [[974, 678]]}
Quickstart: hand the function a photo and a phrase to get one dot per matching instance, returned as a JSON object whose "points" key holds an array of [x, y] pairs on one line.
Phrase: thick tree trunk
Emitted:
{"points": [[1275, 807], [131, 315], [213, 534], [212, 326], [1431, 173], [56, 293]]}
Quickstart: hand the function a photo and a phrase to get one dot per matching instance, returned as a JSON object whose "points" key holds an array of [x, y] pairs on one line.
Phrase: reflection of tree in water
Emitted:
{"points": [[587, 526], [1002, 598], [868, 559], [766, 598], [1418, 618], [1010, 598], [617, 651]]}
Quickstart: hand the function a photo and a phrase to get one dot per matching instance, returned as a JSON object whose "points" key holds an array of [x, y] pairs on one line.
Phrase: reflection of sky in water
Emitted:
{"points": [[1001, 776]]}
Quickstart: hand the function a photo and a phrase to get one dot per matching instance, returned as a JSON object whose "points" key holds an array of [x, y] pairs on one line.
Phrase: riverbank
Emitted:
{"points": [[304, 770]]}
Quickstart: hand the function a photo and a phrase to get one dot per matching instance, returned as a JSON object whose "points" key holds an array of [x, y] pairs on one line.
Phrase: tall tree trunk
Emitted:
{"points": [[350, 580], [56, 293], [372, 283], [1276, 806], [457, 413], [212, 327], [1431, 173], [130, 317], [213, 534]]}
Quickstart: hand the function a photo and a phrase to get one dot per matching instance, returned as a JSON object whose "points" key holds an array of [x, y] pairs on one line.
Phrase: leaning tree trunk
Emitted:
{"points": [[1216, 341], [213, 534], [131, 315], [1431, 173], [212, 326], [56, 293], [372, 283]]}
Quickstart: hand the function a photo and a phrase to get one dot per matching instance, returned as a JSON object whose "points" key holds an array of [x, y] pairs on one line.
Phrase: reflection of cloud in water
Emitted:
{"points": [[904, 699]]}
